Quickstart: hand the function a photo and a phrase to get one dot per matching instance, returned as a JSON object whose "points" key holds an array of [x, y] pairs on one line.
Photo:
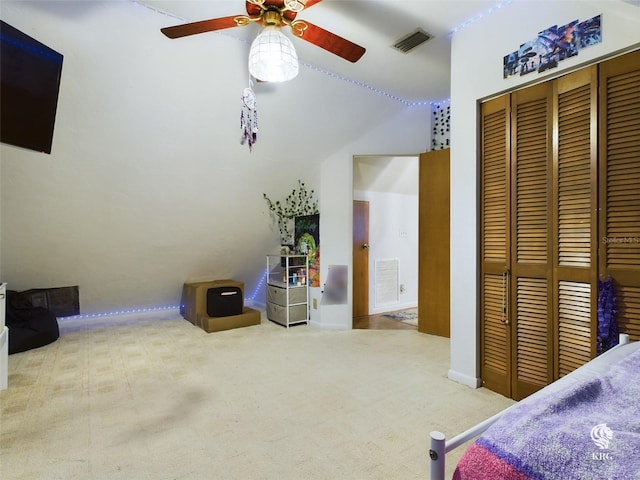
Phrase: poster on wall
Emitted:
{"points": [[307, 242], [566, 45], [589, 32], [551, 46], [529, 57], [547, 41]]}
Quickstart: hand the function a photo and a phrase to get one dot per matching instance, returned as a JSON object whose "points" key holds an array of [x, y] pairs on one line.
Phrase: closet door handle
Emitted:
{"points": [[505, 296]]}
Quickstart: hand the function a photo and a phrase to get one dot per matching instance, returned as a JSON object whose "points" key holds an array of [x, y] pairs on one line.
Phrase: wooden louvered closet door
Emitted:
{"points": [[619, 143], [530, 310], [494, 223], [575, 220], [538, 233]]}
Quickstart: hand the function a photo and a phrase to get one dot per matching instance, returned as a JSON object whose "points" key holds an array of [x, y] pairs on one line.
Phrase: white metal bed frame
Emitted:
{"points": [[439, 446]]}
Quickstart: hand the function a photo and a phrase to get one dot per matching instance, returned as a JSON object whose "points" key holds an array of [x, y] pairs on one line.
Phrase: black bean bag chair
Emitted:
{"points": [[29, 327]]}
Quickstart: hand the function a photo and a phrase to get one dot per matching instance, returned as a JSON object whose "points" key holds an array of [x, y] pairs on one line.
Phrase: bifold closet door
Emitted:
{"points": [[560, 205], [575, 219], [495, 338], [619, 144], [530, 279]]}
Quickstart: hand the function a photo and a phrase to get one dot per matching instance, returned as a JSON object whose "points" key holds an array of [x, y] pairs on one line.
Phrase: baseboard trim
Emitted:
{"points": [[255, 304], [467, 380], [327, 326]]}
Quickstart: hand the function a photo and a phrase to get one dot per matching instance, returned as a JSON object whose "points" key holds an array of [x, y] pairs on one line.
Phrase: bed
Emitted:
{"points": [[584, 426]]}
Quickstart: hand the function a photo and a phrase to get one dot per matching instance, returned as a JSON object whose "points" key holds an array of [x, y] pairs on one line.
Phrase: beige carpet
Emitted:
{"points": [[157, 398]]}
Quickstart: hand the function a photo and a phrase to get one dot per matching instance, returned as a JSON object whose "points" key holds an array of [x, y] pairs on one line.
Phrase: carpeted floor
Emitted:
{"points": [[157, 398]]}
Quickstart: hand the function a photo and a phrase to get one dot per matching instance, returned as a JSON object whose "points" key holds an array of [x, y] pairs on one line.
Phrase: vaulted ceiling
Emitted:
{"points": [[420, 75]]}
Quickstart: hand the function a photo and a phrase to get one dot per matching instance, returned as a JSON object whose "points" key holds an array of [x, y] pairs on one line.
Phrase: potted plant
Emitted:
{"points": [[298, 203]]}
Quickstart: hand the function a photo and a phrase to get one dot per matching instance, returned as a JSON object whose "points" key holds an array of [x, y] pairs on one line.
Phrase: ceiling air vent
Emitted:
{"points": [[412, 40]]}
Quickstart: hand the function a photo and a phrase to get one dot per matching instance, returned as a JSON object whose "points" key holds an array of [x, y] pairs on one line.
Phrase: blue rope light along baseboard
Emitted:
{"points": [[261, 282], [132, 311]]}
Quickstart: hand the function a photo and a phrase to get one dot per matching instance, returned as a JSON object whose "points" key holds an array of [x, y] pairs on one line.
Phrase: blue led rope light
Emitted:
{"points": [[132, 311], [325, 72], [262, 281], [479, 16], [319, 70], [378, 91], [121, 312]]}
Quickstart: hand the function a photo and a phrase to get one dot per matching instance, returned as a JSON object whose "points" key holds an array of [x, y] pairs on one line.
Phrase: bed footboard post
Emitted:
{"points": [[436, 454]]}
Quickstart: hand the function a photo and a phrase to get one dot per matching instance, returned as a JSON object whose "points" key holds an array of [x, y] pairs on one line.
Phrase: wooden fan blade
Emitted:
{"points": [[203, 26], [311, 3], [253, 9], [290, 15], [297, 5], [327, 40]]}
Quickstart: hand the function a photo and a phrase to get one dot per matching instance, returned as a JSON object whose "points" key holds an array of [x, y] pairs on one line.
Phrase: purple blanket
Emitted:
{"points": [[588, 430]]}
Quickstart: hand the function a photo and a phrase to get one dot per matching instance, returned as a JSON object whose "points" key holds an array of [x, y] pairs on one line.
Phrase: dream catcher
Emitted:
{"points": [[248, 117]]}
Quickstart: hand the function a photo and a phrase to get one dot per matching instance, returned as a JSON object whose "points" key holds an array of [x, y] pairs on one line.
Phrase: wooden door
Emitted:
{"points": [[619, 143], [434, 244], [572, 213], [495, 337], [538, 234], [530, 280], [360, 258], [575, 221]]}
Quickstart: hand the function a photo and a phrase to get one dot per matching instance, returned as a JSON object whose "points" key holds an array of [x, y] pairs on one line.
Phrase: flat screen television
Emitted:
{"points": [[30, 75]]}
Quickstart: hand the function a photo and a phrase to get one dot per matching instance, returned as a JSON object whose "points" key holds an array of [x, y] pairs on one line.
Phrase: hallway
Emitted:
{"points": [[380, 322]]}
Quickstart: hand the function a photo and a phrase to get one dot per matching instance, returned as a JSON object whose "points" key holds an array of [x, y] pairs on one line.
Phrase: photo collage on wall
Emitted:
{"points": [[551, 46]]}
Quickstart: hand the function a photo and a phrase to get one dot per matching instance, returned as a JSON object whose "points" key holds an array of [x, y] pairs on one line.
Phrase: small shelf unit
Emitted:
{"points": [[288, 289]]}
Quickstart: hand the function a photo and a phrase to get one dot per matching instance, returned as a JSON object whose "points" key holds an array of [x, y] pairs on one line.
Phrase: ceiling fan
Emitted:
{"points": [[275, 13]]}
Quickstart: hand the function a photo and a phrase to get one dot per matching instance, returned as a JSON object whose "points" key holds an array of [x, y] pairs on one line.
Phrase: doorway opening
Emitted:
{"points": [[385, 239]]}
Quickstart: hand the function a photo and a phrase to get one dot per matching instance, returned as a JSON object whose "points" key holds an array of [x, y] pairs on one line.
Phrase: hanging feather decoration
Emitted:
{"points": [[249, 117]]}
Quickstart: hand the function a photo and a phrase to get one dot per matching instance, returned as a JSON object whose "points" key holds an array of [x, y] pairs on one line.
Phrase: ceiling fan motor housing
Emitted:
{"points": [[272, 18]]}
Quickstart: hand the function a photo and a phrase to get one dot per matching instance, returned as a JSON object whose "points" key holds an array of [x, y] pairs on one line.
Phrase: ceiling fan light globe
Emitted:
{"points": [[272, 57]]}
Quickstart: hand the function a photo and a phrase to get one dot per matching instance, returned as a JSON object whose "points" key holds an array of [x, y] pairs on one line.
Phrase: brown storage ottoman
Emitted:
{"points": [[247, 318], [194, 297]]}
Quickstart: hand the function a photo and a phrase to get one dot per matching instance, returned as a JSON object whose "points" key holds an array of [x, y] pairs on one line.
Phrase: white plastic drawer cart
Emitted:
{"points": [[288, 289]]}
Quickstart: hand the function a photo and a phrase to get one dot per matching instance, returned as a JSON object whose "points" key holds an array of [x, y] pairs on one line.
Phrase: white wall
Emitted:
{"points": [[389, 215], [147, 185], [476, 73], [405, 133]]}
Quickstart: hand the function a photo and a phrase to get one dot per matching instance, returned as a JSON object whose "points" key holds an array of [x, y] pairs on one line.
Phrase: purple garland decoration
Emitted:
{"points": [[607, 325]]}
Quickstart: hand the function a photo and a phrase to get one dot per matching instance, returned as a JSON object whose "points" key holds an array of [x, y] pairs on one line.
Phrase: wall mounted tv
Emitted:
{"points": [[29, 84]]}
